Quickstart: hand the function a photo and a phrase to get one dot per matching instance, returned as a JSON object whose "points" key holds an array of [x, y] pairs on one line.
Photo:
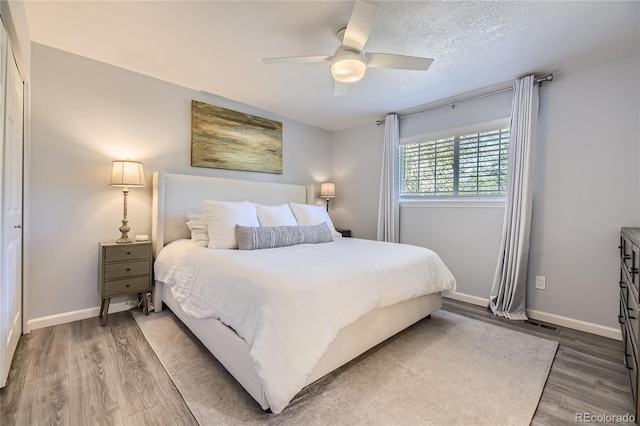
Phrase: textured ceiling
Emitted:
{"points": [[218, 46]]}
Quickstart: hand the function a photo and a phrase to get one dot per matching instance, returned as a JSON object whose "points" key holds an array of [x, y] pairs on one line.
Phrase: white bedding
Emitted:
{"points": [[289, 303]]}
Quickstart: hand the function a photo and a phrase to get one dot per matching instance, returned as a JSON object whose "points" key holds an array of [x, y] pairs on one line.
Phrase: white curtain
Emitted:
{"points": [[508, 293], [389, 205]]}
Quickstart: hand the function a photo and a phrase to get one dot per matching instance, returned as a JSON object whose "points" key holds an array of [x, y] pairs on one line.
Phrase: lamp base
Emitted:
{"points": [[124, 229]]}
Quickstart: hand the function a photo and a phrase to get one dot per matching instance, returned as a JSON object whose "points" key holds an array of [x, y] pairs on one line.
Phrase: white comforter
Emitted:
{"points": [[289, 303]]}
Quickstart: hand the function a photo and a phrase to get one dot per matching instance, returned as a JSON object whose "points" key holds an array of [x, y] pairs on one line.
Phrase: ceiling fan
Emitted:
{"points": [[349, 63]]}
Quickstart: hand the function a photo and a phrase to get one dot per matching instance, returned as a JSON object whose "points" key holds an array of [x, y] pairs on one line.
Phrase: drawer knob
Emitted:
{"points": [[127, 285], [128, 269], [128, 253], [619, 247], [626, 256], [622, 286]]}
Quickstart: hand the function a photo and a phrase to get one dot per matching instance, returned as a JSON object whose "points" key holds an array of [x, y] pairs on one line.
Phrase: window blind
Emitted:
{"points": [[472, 164]]}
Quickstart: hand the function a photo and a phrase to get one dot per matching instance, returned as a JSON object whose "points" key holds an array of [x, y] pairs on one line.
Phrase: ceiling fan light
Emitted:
{"points": [[348, 70]]}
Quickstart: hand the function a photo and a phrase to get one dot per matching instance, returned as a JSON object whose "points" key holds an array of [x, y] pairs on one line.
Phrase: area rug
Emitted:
{"points": [[446, 370]]}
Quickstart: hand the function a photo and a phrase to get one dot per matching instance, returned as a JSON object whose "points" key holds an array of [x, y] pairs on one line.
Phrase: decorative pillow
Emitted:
{"points": [[199, 230], [279, 215], [308, 214], [222, 218], [263, 237]]}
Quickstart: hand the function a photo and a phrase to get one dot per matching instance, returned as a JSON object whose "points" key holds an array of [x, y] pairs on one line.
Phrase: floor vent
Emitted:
{"points": [[542, 325]]}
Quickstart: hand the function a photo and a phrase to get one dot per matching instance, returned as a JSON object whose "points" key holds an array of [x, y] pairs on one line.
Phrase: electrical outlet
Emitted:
{"points": [[541, 283]]}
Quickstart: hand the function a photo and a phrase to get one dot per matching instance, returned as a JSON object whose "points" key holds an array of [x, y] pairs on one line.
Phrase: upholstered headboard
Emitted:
{"points": [[176, 195]]}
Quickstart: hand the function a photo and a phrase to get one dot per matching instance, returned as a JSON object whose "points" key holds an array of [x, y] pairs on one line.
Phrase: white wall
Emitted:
{"points": [[587, 185], [587, 179], [481, 110], [356, 171], [467, 239], [86, 114]]}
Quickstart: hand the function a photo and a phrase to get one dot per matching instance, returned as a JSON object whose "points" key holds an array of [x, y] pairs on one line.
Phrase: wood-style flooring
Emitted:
{"points": [[84, 374]]}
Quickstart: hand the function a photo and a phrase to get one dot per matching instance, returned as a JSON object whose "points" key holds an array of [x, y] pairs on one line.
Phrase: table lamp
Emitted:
{"points": [[327, 191], [126, 173]]}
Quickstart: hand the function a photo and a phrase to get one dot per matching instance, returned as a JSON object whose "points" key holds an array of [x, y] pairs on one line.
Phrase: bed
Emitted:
{"points": [[298, 329]]}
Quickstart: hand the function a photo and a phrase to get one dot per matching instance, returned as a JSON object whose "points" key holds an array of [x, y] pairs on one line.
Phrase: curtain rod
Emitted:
{"points": [[540, 80]]}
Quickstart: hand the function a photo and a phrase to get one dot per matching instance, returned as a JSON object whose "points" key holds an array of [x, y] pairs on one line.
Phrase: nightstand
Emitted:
{"points": [[124, 269], [344, 232]]}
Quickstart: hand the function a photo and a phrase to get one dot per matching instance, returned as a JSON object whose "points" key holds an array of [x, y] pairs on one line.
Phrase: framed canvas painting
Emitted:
{"points": [[225, 139]]}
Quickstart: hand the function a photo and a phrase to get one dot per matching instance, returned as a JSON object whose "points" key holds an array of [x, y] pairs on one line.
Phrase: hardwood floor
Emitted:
{"points": [[84, 374]]}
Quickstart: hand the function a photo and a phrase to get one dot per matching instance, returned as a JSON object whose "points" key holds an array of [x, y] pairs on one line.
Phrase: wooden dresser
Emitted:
{"points": [[629, 315]]}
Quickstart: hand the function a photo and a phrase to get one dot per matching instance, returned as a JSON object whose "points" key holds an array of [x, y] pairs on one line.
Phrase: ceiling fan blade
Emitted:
{"points": [[339, 88], [297, 59], [360, 24], [400, 62]]}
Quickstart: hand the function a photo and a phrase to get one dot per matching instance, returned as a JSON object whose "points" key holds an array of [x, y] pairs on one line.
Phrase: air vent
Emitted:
{"points": [[542, 325]]}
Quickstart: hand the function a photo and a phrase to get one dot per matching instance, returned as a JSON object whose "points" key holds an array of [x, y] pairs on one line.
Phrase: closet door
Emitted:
{"points": [[11, 247]]}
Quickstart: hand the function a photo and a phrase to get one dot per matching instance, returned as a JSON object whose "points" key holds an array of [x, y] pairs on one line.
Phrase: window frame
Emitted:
{"points": [[474, 200]]}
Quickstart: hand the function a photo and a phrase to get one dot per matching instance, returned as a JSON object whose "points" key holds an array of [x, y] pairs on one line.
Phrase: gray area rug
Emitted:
{"points": [[447, 370]]}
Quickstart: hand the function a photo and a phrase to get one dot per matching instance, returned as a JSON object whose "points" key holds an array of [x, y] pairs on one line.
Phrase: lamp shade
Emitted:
{"points": [[327, 190], [127, 173]]}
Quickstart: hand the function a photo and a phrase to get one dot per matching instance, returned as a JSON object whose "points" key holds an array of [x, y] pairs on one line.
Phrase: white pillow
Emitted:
{"points": [[308, 214], [279, 215], [199, 230], [222, 218]]}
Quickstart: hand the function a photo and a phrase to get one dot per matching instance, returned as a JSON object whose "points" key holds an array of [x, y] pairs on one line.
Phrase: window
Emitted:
{"points": [[473, 163]]}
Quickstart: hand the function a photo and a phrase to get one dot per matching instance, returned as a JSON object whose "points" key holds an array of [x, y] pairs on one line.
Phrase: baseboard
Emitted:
{"points": [[474, 300], [574, 324], [65, 317], [600, 330]]}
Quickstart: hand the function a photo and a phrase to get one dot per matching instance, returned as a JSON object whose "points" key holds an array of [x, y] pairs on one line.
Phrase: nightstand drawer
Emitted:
{"points": [[127, 285], [126, 269], [127, 252]]}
